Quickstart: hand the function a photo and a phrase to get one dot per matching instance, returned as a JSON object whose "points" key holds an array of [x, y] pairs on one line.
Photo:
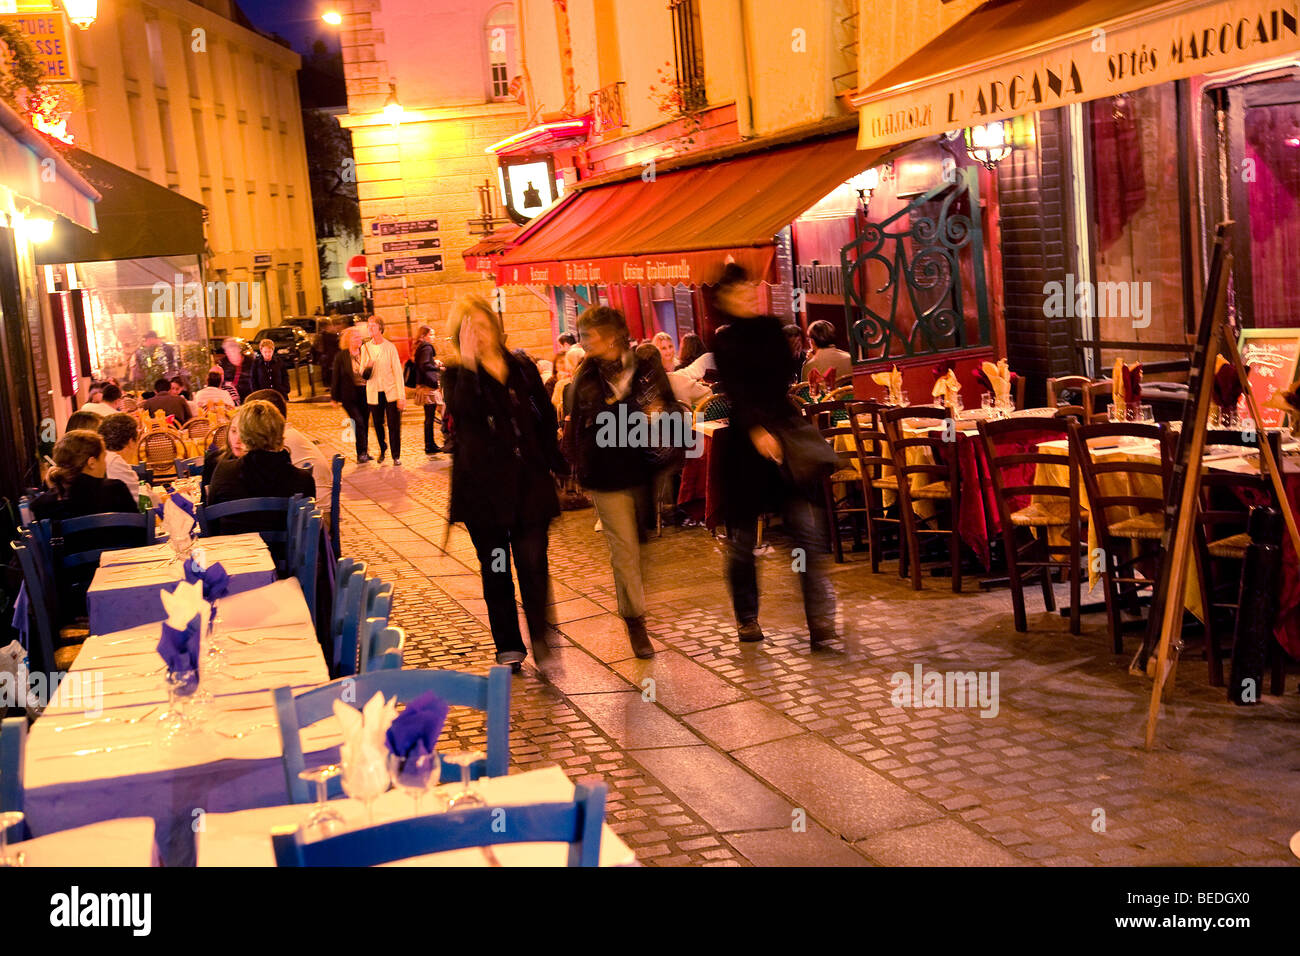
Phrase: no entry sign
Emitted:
{"points": [[357, 269]]}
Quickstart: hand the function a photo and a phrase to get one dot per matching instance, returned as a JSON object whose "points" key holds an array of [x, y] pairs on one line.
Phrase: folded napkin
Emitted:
{"points": [[179, 647], [213, 578], [998, 379], [415, 731], [178, 516], [183, 602], [1132, 377], [1227, 386], [893, 381], [365, 730], [821, 383], [947, 389]]}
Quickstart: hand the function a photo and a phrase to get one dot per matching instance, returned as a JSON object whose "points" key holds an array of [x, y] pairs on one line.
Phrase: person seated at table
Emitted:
{"points": [[83, 421], [263, 469], [302, 450], [167, 403], [213, 393], [121, 437], [693, 361], [109, 401], [826, 355]]}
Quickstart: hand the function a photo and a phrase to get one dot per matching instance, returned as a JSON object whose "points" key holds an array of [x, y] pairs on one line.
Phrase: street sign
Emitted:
{"points": [[409, 265], [48, 33], [391, 228], [261, 259], [356, 269], [412, 245]]}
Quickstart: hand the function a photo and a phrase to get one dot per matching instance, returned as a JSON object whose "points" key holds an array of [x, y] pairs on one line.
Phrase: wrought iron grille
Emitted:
{"points": [[607, 113], [922, 262], [688, 49]]}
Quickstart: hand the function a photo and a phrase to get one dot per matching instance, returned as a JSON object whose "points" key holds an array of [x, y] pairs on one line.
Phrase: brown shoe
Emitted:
{"points": [[639, 639]]}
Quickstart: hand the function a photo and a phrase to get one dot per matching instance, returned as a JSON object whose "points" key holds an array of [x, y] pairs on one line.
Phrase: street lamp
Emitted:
{"points": [[332, 17], [392, 108], [37, 229], [81, 12], [988, 145]]}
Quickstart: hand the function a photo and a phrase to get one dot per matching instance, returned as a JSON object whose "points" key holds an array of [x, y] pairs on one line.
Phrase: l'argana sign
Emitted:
{"points": [[1160, 43]]}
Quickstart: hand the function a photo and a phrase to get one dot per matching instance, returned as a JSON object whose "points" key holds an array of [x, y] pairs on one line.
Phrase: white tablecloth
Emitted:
{"points": [[88, 759], [125, 842], [244, 838]]}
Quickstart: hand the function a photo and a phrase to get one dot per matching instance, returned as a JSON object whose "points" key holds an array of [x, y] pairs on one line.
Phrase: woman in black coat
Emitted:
{"points": [[258, 468], [502, 488], [269, 370], [348, 389]]}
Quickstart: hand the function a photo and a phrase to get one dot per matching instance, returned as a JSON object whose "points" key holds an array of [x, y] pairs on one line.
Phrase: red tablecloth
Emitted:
{"points": [[700, 494], [1287, 626]]}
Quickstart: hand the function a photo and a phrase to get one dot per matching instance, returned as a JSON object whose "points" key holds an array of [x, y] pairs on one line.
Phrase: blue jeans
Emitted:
{"points": [[806, 523]]}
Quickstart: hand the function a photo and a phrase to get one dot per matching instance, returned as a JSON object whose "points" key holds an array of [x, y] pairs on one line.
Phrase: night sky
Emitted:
{"points": [[298, 21]]}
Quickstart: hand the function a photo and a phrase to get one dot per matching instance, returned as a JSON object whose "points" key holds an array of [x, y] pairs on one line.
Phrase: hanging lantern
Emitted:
{"points": [[81, 12], [988, 145]]}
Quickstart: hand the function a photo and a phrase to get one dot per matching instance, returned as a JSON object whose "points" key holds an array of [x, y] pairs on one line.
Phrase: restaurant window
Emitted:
{"points": [[1137, 224], [501, 50], [688, 50], [1271, 200]]}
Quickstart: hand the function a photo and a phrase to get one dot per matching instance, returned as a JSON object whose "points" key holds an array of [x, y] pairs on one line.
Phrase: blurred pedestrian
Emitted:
{"points": [[754, 367], [381, 367], [326, 347], [427, 393], [502, 488], [613, 385], [236, 368], [348, 390]]}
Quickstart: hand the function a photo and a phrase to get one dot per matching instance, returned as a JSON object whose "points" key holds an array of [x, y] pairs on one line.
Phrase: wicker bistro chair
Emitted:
{"points": [[218, 436], [712, 408], [1226, 498], [197, 428], [934, 463], [160, 449], [1126, 502], [1042, 509]]}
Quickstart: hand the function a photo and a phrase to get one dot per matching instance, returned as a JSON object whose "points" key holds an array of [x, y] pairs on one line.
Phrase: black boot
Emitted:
{"points": [[637, 636]]}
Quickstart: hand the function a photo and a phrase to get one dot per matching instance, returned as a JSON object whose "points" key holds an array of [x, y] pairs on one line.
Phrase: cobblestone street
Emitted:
{"points": [[736, 755]]}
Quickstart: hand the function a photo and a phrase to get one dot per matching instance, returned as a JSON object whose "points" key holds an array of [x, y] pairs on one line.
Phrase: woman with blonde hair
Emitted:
{"points": [[259, 467], [504, 451], [562, 396], [348, 390]]}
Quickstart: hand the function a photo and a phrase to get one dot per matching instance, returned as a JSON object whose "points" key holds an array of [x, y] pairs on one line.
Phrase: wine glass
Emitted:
{"points": [[9, 819], [178, 719], [365, 777], [466, 797], [323, 821], [987, 404], [411, 774]]}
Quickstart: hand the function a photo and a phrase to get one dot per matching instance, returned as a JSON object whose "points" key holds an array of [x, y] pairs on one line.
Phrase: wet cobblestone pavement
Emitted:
{"points": [[723, 754]]}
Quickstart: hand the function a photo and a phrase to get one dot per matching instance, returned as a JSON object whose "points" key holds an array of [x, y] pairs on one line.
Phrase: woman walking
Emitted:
{"points": [[381, 367], [613, 385], [503, 456], [348, 390], [426, 387]]}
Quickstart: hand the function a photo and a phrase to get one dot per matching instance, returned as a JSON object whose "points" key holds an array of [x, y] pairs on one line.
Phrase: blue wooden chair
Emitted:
{"points": [[577, 823], [58, 533], [490, 694], [188, 466], [304, 565], [336, 483], [350, 605], [210, 515], [383, 647], [25, 510], [45, 655], [13, 742], [295, 521], [144, 472]]}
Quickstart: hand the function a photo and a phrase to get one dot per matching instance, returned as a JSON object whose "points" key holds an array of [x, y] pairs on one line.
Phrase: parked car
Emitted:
{"points": [[291, 343], [308, 323]]}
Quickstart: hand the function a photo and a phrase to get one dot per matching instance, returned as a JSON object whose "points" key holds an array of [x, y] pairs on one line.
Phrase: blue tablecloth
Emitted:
{"points": [[117, 609]]}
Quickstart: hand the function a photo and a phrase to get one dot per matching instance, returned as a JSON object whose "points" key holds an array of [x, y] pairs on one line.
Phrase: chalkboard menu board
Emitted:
{"points": [[684, 306], [1271, 355]]}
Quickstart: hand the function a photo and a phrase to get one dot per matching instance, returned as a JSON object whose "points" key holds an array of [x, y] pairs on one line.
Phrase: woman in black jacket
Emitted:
{"points": [[269, 370], [613, 391], [502, 488], [426, 386], [348, 389], [259, 468]]}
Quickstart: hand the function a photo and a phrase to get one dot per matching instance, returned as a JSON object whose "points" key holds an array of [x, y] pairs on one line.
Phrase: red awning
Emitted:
{"points": [[482, 256], [679, 227]]}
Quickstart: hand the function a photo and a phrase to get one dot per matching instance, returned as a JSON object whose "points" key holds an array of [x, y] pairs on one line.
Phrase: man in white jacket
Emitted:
{"points": [[381, 367]]}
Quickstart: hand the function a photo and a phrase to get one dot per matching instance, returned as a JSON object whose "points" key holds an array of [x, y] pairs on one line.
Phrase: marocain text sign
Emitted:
{"points": [[1171, 42], [48, 33]]}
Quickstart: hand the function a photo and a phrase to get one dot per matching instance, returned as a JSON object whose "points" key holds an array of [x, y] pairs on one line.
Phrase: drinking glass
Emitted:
{"points": [[411, 774], [1117, 413], [365, 777], [466, 797], [1144, 414], [323, 821], [987, 404], [7, 820], [902, 398], [178, 719]]}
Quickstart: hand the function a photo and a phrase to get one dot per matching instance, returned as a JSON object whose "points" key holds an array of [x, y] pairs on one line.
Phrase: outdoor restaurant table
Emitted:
{"points": [[124, 842], [244, 838], [125, 590], [701, 488], [88, 759]]}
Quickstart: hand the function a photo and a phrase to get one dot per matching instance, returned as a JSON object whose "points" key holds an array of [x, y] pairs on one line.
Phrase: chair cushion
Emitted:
{"points": [[73, 633], [1145, 527], [938, 489], [1233, 546], [64, 656], [846, 474], [1037, 515]]}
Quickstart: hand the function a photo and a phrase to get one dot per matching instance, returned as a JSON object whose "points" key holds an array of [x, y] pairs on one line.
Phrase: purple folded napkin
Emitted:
{"points": [[416, 729], [216, 582], [179, 650]]}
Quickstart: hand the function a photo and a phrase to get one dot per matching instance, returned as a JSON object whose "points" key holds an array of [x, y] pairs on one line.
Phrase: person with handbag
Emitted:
{"points": [[425, 383], [773, 459], [381, 367], [613, 385], [502, 488], [348, 390]]}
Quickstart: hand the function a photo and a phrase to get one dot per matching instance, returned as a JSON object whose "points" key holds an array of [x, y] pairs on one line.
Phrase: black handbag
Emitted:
{"points": [[808, 458]]}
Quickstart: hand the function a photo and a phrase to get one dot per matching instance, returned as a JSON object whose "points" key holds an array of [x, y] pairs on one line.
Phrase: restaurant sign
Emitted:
{"points": [[1128, 53], [48, 33], [687, 268]]}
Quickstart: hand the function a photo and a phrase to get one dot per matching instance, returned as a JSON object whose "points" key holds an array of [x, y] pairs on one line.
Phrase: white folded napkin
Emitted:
{"points": [[183, 602], [175, 521], [364, 730]]}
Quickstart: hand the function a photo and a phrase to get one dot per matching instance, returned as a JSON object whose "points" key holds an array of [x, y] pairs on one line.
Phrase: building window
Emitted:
{"points": [[153, 35], [501, 51], [168, 139], [688, 49]]}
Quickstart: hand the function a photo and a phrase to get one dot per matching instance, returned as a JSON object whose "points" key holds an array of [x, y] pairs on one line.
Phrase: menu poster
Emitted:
{"points": [[1272, 355]]}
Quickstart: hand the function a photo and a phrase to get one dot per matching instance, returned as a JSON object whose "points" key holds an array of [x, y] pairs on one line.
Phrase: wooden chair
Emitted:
{"points": [[1018, 391], [490, 694], [129, 404], [1222, 538], [1057, 386], [1123, 518], [712, 408], [160, 449], [218, 436], [577, 822], [1097, 397], [1024, 504], [336, 483], [939, 483]]}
